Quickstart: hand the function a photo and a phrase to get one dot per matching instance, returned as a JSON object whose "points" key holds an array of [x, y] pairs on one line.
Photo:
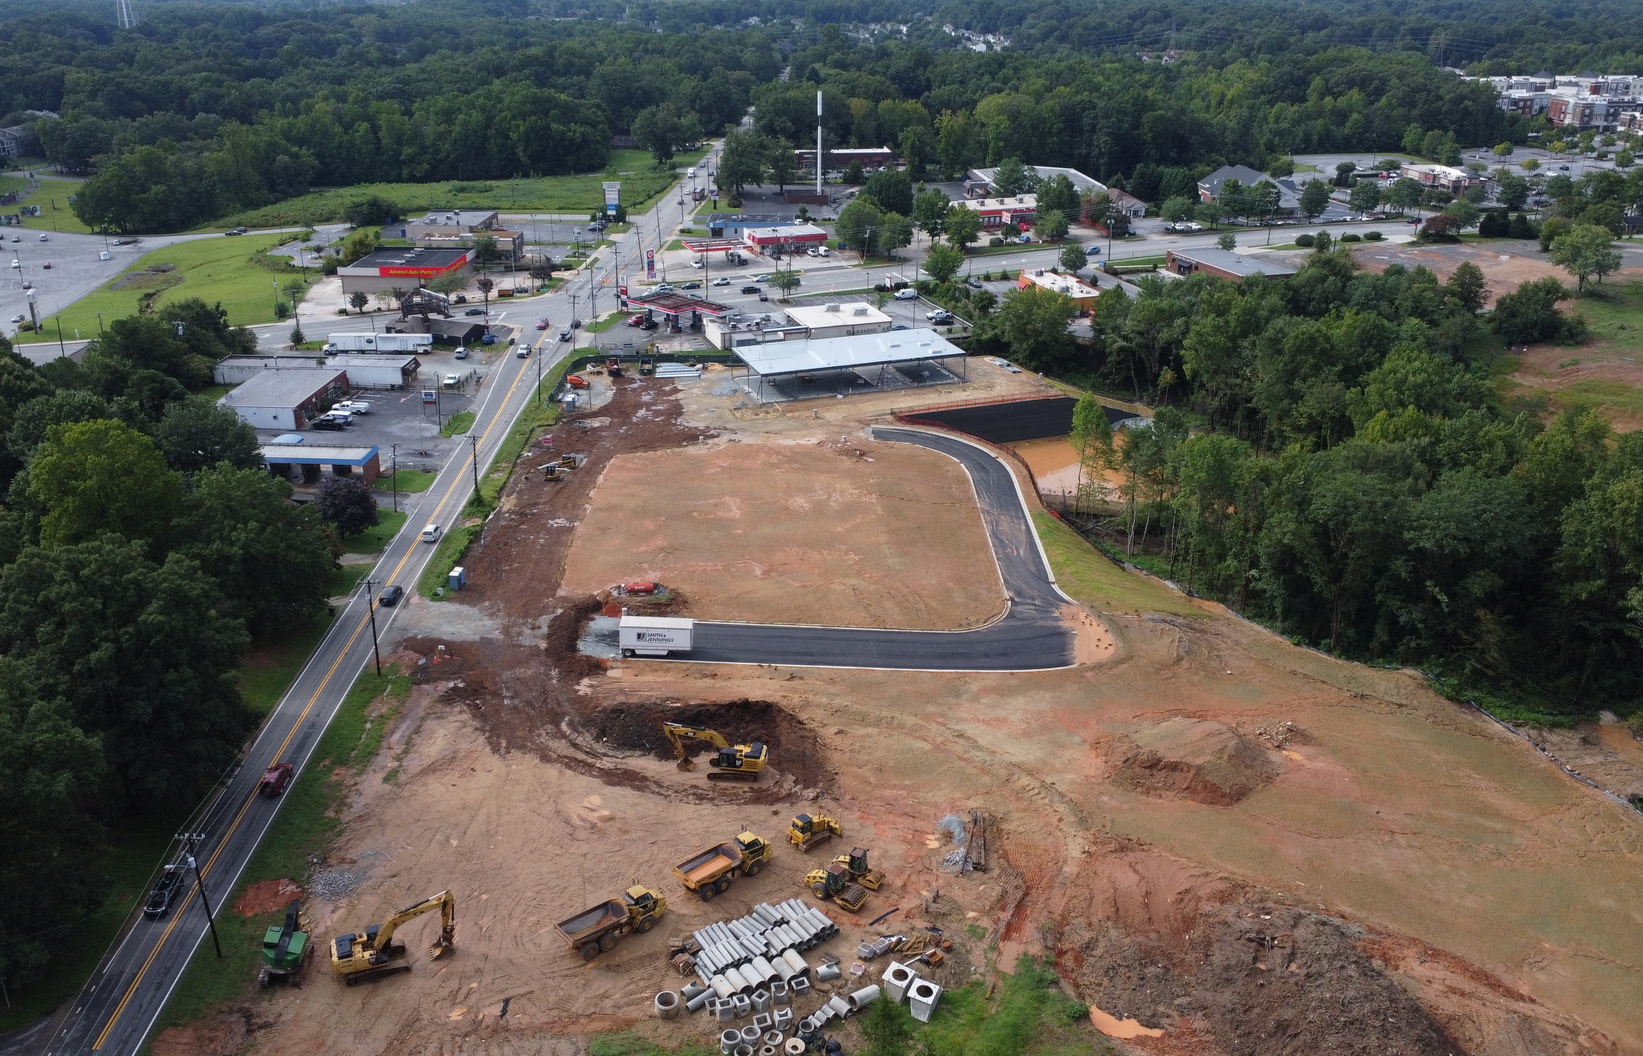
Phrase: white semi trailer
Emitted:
{"points": [[654, 635], [379, 342]]}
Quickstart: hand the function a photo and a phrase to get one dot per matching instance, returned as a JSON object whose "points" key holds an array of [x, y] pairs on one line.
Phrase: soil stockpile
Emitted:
{"points": [[1201, 760]]}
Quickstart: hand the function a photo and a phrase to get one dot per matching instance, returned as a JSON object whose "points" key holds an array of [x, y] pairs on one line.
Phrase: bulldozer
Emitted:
{"points": [[285, 948], [835, 882], [732, 762], [807, 830], [368, 956]]}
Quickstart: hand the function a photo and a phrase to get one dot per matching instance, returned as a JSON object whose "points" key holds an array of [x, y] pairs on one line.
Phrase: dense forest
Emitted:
{"points": [[202, 111]]}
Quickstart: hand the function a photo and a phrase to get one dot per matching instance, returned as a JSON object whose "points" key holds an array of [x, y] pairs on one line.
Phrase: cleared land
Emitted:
{"points": [[1506, 264], [1227, 838], [1606, 373], [212, 269], [52, 196], [785, 532]]}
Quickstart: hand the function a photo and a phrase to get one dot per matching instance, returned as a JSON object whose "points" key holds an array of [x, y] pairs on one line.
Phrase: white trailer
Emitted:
{"points": [[379, 342], [654, 635]]}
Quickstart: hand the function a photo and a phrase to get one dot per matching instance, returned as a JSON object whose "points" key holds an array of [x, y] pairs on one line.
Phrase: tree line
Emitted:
{"points": [[143, 548]]}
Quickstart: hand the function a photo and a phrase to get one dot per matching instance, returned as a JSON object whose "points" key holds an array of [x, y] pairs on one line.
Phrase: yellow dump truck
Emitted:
{"points": [[710, 872], [594, 931]]}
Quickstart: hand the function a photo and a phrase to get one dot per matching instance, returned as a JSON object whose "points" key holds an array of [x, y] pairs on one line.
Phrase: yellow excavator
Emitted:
{"points": [[732, 762], [369, 955]]}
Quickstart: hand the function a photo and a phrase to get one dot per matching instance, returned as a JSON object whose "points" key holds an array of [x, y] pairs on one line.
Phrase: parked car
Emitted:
{"points": [[461, 351], [165, 893], [973, 283], [474, 311], [750, 289], [453, 381], [46, 265], [351, 407], [16, 263], [47, 238], [103, 255], [939, 315], [906, 294], [334, 423], [460, 298], [27, 285], [392, 595], [17, 238]]}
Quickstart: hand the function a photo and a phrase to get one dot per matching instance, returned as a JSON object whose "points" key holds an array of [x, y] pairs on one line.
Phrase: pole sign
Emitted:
{"points": [[613, 194], [622, 286], [650, 263], [428, 396]]}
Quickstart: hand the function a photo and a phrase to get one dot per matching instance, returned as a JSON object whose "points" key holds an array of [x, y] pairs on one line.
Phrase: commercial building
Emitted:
{"points": [[287, 399], [1081, 293], [1443, 177], [237, 370], [996, 212], [736, 225], [783, 239], [402, 268], [978, 183], [311, 460], [837, 366], [1588, 101], [1224, 264], [459, 228], [378, 371], [872, 158], [817, 321]]}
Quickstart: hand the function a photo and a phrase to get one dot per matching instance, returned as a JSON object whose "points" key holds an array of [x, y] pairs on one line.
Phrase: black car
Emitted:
{"points": [[165, 892], [392, 595], [460, 298], [474, 311], [691, 286], [750, 289], [327, 423]]}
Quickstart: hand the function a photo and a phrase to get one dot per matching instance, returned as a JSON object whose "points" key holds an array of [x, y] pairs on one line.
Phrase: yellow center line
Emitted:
{"points": [[295, 726]]}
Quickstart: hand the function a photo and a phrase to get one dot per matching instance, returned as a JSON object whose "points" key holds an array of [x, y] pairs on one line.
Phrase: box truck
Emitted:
{"points": [[379, 342], [654, 635]]}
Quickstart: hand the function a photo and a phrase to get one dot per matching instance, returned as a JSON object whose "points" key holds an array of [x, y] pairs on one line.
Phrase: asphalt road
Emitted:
{"points": [[116, 1010], [1028, 637]]}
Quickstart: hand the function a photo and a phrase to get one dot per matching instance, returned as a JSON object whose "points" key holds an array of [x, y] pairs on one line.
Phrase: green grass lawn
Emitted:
{"points": [[460, 422], [549, 194], [212, 269], [345, 579], [449, 551], [1615, 314], [267, 671], [599, 326], [410, 481], [1087, 575], [52, 196], [375, 540]]}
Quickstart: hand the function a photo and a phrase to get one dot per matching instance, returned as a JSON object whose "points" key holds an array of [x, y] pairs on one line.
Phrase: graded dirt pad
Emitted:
{"points": [[1398, 870], [844, 531], [1505, 264]]}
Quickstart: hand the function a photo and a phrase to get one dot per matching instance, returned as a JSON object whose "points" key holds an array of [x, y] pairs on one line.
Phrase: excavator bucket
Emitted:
{"points": [[441, 946], [686, 763]]}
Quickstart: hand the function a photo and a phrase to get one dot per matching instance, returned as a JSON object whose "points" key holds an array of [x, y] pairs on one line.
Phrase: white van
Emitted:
{"points": [[691, 174], [823, 251], [430, 534]]}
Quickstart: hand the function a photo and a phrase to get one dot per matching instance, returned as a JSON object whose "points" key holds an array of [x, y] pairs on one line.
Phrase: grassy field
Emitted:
{"points": [[305, 826], [547, 194], [375, 540], [52, 196], [1085, 574], [460, 422], [267, 671], [212, 269], [411, 481], [1601, 374]]}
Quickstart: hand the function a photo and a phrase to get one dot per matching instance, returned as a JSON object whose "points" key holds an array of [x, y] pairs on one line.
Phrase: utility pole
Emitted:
{"points": [[193, 839], [394, 474], [370, 605], [473, 443]]}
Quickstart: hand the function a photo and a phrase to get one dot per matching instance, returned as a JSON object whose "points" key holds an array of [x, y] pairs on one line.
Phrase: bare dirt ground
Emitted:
{"points": [[1506, 264], [791, 532], [1247, 846], [1554, 369]]}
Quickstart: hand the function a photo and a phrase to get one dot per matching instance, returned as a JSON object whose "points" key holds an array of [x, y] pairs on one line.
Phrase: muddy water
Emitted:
{"points": [[1054, 463], [1125, 1029]]}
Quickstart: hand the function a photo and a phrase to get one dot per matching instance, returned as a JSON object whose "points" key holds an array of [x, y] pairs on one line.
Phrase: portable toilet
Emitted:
{"points": [[457, 579]]}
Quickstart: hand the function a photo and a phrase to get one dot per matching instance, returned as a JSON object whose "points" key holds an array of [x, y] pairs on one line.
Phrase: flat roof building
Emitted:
{"points": [[1081, 293], [735, 225], [311, 459], [763, 238], [1224, 264], [996, 212], [838, 320], [979, 182], [287, 399], [237, 370], [378, 371], [897, 359], [402, 268]]}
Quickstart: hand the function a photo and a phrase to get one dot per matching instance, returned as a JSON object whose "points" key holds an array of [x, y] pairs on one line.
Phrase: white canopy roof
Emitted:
{"points": [[835, 353]]}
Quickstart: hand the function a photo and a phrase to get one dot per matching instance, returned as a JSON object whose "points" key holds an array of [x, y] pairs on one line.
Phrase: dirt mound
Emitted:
{"points": [[267, 896], [1200, 760], [1260, 979], [637, 726]]}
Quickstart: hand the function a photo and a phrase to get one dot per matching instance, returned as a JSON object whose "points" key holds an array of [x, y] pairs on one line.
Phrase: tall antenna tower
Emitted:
{"points": [[123, 14]]}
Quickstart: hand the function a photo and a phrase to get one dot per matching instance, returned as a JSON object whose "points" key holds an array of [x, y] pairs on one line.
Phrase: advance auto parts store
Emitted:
{"points": [[402, 269]]}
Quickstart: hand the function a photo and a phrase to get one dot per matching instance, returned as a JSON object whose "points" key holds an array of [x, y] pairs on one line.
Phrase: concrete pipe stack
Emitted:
{"points": [[758, 949]]}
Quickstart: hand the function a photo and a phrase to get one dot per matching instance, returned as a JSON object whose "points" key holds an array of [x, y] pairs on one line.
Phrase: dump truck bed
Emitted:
{"points": [[709, 865], [591, 923]]}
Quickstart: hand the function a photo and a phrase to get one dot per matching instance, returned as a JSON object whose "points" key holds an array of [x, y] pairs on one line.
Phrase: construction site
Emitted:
{"points": [[1218, 842]]}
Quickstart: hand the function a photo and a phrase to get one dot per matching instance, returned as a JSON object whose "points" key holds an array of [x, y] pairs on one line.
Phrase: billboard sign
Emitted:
{"points": [[650, 264]]}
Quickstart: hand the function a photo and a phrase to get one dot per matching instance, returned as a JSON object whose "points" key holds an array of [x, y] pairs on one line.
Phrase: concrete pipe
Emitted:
{"points": [[728, 1040], [743, 1050], [827, 973], [784, 971], [722, 985], [696, 1003], [741, 1004], [768, 1050], [766, 972], [799, 966], [667, 1004], [690, 990], [761, 1000], [737, 982], [773, 1038], [839, 1006], [779, 994], [864, 997], [793, 1047], [751, 1035]]}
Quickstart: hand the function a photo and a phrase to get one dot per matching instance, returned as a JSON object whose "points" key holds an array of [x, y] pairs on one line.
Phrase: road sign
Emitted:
{"points": [[429, 396]]}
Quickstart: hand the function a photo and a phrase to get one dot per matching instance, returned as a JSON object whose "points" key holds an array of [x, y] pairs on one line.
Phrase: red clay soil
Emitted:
{"points": [[267, 896]]}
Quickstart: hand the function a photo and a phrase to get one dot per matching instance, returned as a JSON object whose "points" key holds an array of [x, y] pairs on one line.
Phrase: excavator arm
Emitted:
{"points": [[445, 902], [678, 733]]}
